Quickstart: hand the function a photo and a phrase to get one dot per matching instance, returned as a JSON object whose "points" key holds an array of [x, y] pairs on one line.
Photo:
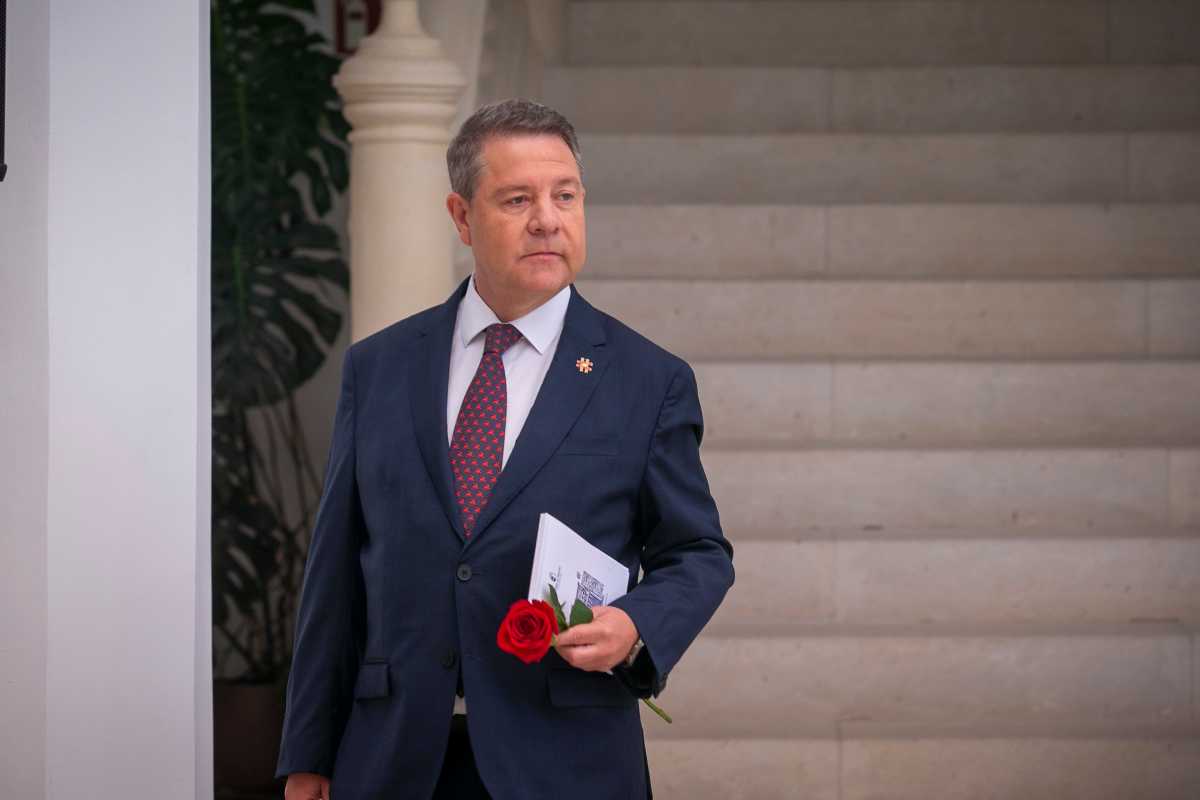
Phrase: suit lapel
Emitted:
{"points": [[430, 371], [562, 397]]}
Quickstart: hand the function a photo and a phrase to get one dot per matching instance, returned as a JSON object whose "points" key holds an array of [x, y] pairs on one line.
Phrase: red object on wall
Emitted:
{"points": [[354, 20]]}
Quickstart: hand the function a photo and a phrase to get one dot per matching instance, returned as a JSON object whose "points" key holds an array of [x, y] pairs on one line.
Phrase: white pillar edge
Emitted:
{"points": [[203, 698], [128, 668], [24, 345]]}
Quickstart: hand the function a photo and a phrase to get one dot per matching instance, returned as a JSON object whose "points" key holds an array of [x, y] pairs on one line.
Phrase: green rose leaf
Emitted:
{"points": [[580, 614], [558, 614]]}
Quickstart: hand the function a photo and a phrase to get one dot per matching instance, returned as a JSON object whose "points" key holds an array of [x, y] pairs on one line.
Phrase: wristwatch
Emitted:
{"points": [[633, 653]]}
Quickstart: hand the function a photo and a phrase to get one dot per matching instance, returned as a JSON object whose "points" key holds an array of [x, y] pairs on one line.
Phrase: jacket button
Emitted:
{"points": [[464, 572], [450, 659]]}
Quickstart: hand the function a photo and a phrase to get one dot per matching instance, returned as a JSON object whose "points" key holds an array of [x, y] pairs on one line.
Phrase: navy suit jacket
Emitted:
{"points": [[396, 600]]}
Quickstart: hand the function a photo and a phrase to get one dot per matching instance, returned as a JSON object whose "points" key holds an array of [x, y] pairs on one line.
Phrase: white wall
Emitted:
{"points": [[104, 248], [23, 398]]}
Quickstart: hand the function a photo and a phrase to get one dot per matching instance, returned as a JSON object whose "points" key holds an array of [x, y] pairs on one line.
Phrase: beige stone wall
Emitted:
{"points": [[936, 267]]}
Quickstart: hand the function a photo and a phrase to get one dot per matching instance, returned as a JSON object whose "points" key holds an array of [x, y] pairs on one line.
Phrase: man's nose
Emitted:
{"points": [[544, 218]]}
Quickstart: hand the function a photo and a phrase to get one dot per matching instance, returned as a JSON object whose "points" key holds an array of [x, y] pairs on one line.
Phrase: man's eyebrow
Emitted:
{"points": [[512, 188]]}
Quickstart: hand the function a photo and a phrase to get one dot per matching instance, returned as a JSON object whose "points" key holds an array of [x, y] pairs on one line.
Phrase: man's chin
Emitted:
{"points": [[547, 268], [546, 278]]}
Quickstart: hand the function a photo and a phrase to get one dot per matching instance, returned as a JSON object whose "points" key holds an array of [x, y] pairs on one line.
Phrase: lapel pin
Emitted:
{"points": [[584, 365]]}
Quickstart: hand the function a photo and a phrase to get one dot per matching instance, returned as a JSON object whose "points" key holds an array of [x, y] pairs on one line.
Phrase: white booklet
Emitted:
{"points": [[577, 569]]}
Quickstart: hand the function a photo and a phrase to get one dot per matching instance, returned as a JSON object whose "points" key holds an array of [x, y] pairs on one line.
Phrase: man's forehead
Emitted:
{"points": [[545, 157]]}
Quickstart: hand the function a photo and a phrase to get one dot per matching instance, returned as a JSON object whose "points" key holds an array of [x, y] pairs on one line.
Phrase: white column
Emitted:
{"points": [[128, 678], [401, 93]]}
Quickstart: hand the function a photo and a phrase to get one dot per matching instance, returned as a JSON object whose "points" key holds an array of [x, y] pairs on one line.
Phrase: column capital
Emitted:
{"points": [[400, 86]]}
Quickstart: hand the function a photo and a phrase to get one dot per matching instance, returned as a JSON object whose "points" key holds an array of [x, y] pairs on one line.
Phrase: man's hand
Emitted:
{"points": [[306, 786], [600, 644]]}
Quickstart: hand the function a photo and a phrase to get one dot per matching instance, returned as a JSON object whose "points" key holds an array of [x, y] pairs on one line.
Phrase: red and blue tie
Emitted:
{"points": [[477, 447]]}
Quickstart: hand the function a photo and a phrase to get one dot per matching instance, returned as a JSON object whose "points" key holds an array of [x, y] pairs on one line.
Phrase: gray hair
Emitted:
{"points": [[514, 117]]}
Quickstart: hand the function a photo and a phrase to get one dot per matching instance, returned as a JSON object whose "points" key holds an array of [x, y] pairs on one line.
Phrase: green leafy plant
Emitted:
{"points": [[278, 282]]}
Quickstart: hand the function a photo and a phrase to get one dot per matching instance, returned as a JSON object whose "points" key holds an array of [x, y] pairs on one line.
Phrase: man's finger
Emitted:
{"points": [[579, 634], [583, 657]]}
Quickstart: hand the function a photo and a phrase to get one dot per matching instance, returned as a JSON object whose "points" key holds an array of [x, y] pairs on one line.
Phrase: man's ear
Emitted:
{"points": [[457, 207]]}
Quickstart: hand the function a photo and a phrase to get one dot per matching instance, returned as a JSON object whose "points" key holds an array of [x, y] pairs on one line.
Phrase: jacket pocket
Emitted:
{"points": [[574, 687], [372, 681]]}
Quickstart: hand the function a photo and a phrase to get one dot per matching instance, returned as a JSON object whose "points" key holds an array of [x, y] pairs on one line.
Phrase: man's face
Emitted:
{"points": [[525, 223]]}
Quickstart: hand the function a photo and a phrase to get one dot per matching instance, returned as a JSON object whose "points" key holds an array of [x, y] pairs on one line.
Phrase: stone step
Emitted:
{"points": [[912, 580], [792, 681], [1186, 526], [759, 100], [869, 761], [988, 404], [1027, 320], [1165, 166], [883, 32], [893, 241], [833, 168], [802, 492], [1159, 31]]}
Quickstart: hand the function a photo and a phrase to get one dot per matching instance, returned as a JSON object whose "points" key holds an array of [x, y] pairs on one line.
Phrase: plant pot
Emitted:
{"points": [[247, 726]]}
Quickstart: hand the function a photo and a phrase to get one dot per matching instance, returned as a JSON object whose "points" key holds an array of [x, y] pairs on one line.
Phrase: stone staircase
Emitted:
{"points": [[937, 266]]}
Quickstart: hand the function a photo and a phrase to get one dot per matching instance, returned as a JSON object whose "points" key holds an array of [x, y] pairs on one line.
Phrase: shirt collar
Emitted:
{"points": [[539, 327]]}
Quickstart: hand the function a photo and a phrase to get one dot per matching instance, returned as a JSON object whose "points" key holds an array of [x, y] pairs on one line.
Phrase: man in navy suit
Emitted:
{"points": [[455, 429]]}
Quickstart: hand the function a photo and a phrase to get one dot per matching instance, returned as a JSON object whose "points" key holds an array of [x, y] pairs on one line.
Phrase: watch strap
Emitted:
{"points": [[633, 652]]}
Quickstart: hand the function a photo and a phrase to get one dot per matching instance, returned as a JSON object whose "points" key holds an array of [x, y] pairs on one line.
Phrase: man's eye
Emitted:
{"points": [[514, 201], [566, 196]]}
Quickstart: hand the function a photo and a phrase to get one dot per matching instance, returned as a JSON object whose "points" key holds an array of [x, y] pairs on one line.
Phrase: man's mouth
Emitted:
{"points": [[542, 253]]}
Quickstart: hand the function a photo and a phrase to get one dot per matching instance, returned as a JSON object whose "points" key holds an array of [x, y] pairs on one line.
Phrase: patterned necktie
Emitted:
{"points": [[477, 447]]}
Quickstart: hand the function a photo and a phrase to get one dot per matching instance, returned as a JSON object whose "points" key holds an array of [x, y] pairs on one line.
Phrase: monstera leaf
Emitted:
{"points": [[278, 284], [276, 128]]}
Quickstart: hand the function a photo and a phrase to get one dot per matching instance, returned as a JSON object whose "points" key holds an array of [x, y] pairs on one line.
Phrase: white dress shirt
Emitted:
{"points": [[525, 365]]}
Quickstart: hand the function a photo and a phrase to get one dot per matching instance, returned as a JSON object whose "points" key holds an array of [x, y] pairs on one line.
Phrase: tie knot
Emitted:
{"points": [[500, 337]]}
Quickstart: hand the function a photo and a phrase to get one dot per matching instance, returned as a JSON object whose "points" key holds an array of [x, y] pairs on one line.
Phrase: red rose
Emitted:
{"points": [[526, 630]]}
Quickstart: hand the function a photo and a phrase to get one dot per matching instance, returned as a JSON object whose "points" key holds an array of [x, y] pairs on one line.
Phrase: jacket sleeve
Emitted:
{"points": [[330, 618], [687, 563]]}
